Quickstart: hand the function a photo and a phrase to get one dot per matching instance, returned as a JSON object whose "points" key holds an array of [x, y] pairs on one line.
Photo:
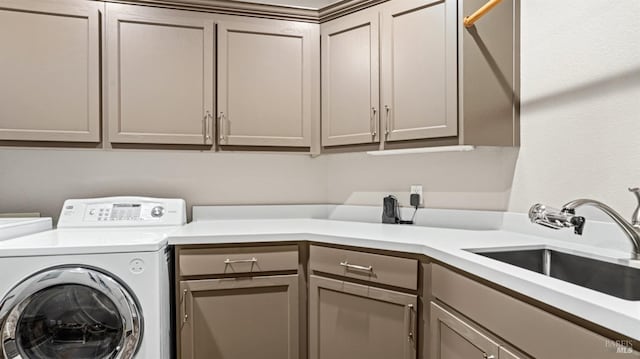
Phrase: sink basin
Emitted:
{"points": [[614, 279]]}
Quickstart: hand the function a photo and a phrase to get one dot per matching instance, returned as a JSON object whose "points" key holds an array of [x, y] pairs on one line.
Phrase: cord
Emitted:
{"points": [[412, 217]]}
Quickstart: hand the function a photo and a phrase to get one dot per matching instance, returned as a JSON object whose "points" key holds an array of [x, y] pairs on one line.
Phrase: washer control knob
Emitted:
{"points": [[157, 211]]}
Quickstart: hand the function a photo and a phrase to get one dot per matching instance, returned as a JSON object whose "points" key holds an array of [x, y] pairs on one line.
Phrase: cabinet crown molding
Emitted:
{"points": [[283, 12]]}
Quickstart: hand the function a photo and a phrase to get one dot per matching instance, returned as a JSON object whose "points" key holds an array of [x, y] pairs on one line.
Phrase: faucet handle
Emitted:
{"points": [[635, 217]]}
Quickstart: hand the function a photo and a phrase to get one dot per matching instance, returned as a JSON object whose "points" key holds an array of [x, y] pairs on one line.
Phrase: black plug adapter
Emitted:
{"points": [[414, 200]]}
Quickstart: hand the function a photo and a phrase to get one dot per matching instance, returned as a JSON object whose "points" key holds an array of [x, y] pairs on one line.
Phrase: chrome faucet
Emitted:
{"points": [[566, 217]]}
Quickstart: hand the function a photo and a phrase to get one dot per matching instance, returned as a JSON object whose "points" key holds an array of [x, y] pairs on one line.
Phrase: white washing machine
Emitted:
{"points": [[96, 287]]}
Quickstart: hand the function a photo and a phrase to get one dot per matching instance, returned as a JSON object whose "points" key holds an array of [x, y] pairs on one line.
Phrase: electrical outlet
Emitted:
{"points": [[417, 189]]}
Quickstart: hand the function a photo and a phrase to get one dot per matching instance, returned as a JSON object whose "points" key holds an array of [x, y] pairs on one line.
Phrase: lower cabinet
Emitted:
{"points": [[239, 318], [239, 302], [349, 320], [298, 301], [491, 324], [454, 338]]}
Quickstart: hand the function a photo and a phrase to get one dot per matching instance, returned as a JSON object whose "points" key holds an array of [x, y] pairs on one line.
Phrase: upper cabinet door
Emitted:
{"points": [[160, 72], [49, 70], [419, 76], [264, 83], [350, 79]]}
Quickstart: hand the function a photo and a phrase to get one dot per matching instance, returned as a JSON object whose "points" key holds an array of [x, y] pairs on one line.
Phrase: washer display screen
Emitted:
{"points": [[125, 211]]}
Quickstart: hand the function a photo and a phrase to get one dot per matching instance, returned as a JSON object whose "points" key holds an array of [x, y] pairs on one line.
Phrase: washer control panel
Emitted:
{"points": [[123, 211]]}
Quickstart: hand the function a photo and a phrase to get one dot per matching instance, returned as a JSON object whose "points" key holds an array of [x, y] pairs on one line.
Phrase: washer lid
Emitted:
{"points": [[69, 313]]}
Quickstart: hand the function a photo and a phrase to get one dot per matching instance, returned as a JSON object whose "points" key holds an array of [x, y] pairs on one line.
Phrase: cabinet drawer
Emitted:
{"points": [[210, 261], [395, 271]]}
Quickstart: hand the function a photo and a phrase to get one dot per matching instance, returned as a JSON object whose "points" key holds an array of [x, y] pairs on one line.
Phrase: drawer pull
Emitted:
{"points": [[185, 318], [410, 330], [229, 261], [356, 267]]}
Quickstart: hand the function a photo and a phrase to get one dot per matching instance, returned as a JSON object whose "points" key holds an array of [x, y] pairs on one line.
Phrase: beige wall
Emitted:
{"points": [[39, 180], [479, 179]]}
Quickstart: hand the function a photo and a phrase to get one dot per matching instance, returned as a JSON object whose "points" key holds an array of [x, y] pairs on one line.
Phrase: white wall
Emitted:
{"points": [[39, 180], [580, 103]]}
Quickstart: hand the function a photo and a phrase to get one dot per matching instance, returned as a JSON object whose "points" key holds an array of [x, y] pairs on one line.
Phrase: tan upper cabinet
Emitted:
{"points": [[439, 82], [265, 83], [160, 71], [406, 87], [489, 70], [50, 70], [350, 80], [419, 69]]}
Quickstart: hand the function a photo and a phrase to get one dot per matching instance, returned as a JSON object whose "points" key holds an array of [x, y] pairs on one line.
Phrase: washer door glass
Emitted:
{"points": [[64, 312], [69, 321]]}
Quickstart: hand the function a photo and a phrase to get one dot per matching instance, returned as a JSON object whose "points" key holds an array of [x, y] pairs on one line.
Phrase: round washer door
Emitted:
{"points": [[69, 312]]}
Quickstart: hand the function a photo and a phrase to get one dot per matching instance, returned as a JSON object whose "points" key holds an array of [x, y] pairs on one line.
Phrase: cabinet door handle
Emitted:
{"points": [[356, 267], [410, 330], [374, 124], [185, 317], [221, 127], [207, 130], [486, 356], [387, 111], [234, 261]]}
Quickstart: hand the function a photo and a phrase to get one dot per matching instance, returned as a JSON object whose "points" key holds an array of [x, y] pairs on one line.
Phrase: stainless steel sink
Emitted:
{"points": [[614, 279]]}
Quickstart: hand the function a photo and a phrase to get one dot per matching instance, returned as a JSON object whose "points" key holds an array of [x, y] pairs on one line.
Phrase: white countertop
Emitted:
{"points": [[444, 245]]}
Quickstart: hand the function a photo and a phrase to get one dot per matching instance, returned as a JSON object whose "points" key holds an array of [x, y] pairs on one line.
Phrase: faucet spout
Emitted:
{"points": [[632, 232]]}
